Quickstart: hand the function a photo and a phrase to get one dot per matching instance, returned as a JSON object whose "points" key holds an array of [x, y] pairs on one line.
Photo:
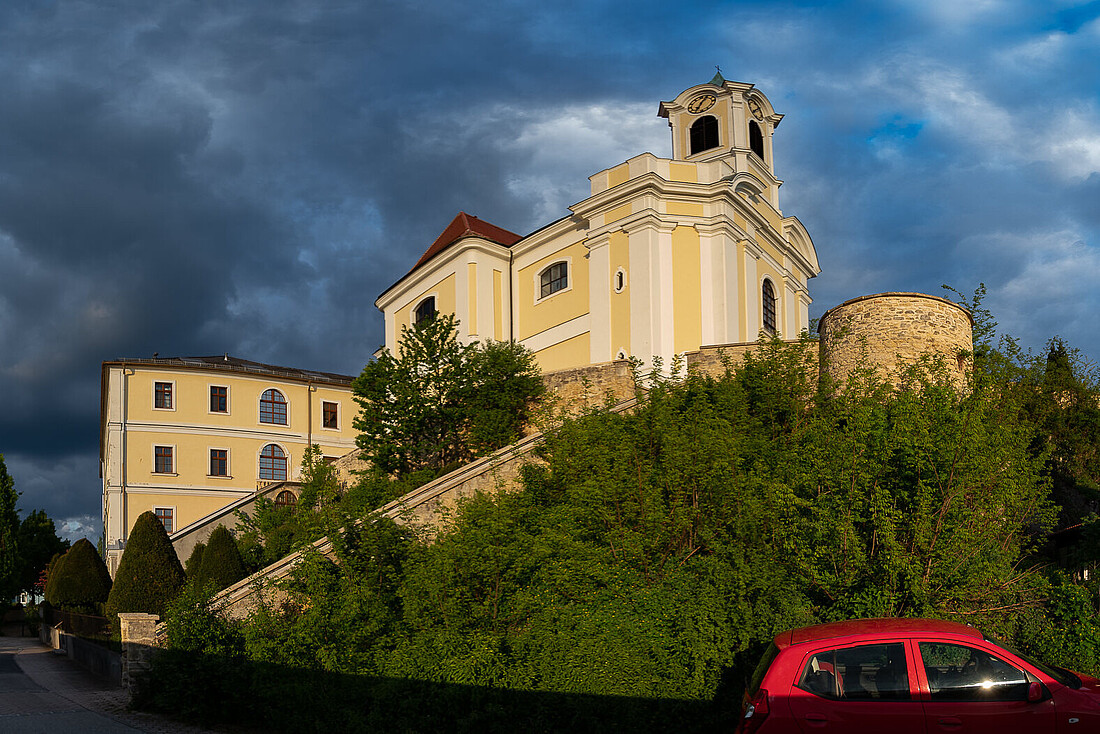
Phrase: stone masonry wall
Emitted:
{"points": [[891, 331]]}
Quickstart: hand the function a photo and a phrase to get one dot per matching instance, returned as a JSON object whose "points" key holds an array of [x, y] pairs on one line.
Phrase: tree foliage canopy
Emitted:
{"points": [[653, 553], [9, 530], [438, 403], [81, 581]]}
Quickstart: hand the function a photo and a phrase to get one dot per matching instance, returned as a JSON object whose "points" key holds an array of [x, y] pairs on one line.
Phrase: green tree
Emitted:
{"points": [[9, 534], [81, 582], [149, 575], [221, 561], [38, 542], [438, 403], [194, 561]]}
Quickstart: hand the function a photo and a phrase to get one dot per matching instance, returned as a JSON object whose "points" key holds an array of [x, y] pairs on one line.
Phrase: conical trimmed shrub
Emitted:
{"points": [[81, 582], [222, 565], [194, 561], [149, 574], [53, 570]]}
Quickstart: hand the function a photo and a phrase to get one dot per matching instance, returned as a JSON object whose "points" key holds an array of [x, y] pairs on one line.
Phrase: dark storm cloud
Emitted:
{"points": [[191, 178]]}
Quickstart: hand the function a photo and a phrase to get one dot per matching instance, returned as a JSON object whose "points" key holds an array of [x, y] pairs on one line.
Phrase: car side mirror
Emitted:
{"points": [[1036, 693]]}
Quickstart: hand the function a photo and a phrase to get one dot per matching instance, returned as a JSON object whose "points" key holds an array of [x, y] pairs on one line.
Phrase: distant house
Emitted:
{"points": [[184, 437], [667, 255]]}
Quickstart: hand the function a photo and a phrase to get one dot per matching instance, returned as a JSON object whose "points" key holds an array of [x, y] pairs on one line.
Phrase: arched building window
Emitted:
{"points": [[425, 311], [273, 408], [286, 498], [273, 463], [704, 134], [767, 298], [756, 139], [555, 278]]}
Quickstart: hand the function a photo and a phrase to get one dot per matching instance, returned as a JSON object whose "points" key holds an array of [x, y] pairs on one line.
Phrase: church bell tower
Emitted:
{"points": [[726, 121]]}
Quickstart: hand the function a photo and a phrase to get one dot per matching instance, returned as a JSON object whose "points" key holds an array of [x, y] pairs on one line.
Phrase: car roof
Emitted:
{"points": [[878, 626]]}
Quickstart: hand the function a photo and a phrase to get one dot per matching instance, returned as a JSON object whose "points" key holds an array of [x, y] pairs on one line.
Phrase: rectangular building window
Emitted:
{"points": [[219, 462], [165, 515], [162, 459], [219, 399], [330, 414], [162, 395]]}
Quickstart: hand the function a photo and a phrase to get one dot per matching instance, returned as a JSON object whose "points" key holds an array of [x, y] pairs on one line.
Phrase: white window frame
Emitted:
{"points": [[228, 462], [615, 283], [175, 461], [228, 400], [286, 402], [570, 278], [338, 415], [175, 395], [416, 304], [286, 458]]}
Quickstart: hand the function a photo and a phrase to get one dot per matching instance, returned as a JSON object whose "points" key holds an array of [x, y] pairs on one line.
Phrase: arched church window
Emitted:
{"points": [[767, 297], [425, 311], [273, 463], [756, 139], [555, 278], [286, 498], [273, 408], [704, 134]]}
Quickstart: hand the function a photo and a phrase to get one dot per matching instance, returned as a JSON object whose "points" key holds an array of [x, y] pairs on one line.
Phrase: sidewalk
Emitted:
{"points": [[43, 691]]}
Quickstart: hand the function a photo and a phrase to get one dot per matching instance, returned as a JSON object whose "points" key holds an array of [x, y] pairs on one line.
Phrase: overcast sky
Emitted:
{"points": [[194, 178]]}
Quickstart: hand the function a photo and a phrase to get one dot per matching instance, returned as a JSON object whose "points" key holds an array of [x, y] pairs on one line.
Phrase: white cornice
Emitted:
{"points": [[444, 262]]}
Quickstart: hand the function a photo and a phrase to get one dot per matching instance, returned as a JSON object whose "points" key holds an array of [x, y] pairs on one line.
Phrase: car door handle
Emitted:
{"points": [[817, 719], [950, 721]]}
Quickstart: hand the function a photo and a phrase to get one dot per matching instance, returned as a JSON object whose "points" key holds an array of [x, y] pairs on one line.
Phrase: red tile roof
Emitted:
{"points": [[465, 225]]}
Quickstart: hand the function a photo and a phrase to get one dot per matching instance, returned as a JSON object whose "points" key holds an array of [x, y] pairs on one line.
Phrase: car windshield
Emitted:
{"points": [[1061, 675]]}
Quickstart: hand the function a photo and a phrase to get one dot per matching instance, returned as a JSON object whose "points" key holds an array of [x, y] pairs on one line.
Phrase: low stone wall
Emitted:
{"points": [[591, 385], [712, 360], [97, 659]]}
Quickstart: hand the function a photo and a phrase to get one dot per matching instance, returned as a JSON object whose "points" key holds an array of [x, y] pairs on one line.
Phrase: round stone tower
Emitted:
{"points": [[891, 331]]}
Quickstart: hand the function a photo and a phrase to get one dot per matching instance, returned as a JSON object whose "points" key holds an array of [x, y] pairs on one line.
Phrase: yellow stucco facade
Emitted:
{"points": [[186, 437], [665, 256]]}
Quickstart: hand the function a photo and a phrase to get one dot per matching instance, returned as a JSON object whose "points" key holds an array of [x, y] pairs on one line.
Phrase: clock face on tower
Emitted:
{"points": [[702, 103], [755, 109]]}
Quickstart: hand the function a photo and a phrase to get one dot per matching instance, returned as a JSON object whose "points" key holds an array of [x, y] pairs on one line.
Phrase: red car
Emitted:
{"points": [[911, 676]]}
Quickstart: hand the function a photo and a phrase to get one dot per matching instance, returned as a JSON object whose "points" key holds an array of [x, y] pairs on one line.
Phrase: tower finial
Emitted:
{"points": [[718, 79]]}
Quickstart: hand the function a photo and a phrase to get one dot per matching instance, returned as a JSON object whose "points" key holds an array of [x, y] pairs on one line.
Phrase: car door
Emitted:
{"points": [[972, 689], [858, 689]]}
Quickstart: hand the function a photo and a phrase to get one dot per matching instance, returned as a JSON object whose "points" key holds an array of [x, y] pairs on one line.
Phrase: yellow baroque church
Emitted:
{"points": [[666, 256]]}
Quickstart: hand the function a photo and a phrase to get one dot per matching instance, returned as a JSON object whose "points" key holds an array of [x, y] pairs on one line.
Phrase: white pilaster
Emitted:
{"points": [[599, 299]]}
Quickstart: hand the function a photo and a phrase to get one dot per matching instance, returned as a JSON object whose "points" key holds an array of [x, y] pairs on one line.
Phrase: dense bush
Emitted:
{"points": [[221, 561], [194, 561], [80, 582], [651, 555], [149, 575]]}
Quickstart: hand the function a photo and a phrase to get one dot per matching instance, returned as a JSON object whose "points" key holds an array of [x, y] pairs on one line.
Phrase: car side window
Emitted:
{"points": [[961, 673], [861, 673]]}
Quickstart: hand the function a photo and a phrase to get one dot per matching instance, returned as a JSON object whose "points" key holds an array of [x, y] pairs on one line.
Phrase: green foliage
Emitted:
{"points": [[221, 565], [651, 554], [54, 573], [149, 575], [194, 561], [38, 543], [438, 403], [9, 531], [81, 582]]}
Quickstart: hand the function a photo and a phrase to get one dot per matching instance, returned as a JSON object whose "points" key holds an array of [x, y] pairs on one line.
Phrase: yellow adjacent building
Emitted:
{"points": [[184, 437], [667, 255]]}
